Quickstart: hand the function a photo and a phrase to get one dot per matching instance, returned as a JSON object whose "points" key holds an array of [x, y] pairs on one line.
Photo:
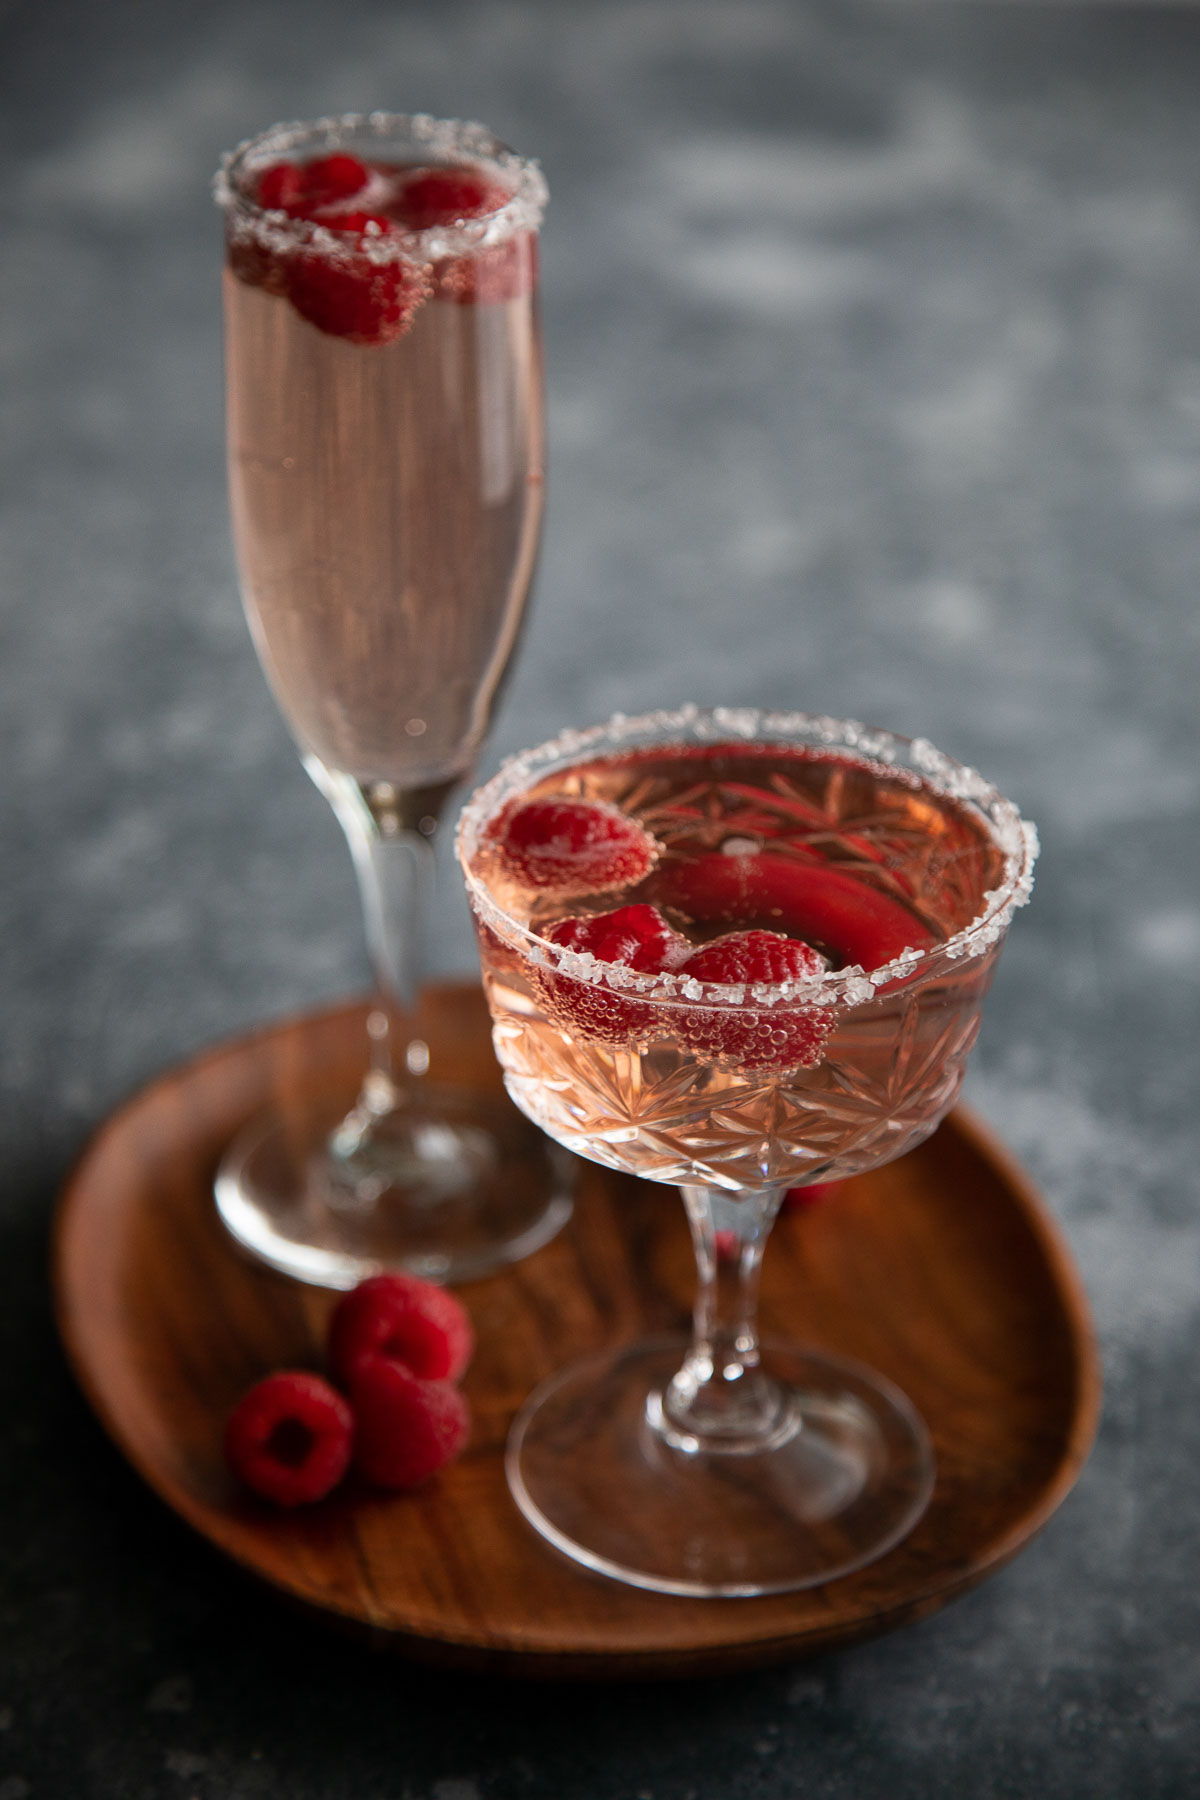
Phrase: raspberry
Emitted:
{"points": [[352, 297], [404, 1319], [281, 187], [756, 1037], [572, 846], [348, 294], [406, 1429], [289, 1438], [503, 271], [331, 178], [302, 189], [445, 196], [852, 920], [636, 937], [800, 1199], [754, 956], [354, 219]]}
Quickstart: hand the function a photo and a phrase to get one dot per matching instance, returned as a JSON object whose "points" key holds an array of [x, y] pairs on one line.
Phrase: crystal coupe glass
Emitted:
{"points": [[385, 438], [642, 1018]]}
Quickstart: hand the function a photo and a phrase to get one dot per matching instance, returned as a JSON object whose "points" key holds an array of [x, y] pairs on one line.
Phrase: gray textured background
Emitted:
{"points": [[874, 358]]}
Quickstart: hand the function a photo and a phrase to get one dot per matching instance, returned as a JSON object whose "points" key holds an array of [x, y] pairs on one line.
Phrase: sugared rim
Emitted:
{"points": [[437, 140], [1015, 837]]}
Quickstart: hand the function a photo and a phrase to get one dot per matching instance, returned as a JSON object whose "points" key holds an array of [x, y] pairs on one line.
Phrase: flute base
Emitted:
{"points": [[592, 1473], [450, 1188]]}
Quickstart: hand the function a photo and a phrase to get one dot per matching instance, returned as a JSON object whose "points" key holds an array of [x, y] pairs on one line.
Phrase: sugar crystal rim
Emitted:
{"points": [[1015, 837], [441, 140]]}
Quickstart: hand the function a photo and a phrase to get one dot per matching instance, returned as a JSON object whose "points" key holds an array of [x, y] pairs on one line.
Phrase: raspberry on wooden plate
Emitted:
{"points": [[289, 1438], [406, 1429], [800, 1199], [405, 1319]]}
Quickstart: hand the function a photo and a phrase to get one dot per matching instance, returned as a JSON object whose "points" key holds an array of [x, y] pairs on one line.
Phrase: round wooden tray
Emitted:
{"points": [[941, 1271]]}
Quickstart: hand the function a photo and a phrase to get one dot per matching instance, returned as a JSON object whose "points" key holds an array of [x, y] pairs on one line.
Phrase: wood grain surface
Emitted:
{"points": [[941, 1271]]}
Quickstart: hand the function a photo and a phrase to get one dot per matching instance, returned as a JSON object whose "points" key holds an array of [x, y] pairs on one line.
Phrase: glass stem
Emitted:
{"points": [[390, 835], [721, 1398]]}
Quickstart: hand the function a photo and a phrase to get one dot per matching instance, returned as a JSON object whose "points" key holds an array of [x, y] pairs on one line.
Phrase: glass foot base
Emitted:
{"points": [[449, 1189], [590, 1472]]}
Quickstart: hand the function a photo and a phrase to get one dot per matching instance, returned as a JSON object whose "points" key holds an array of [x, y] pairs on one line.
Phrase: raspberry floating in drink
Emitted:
{"points": [[632, 937], [445, 196], [289, 1438], [353, 297], [308, 190], [572, 846], [775, 1037], [637, 937]]}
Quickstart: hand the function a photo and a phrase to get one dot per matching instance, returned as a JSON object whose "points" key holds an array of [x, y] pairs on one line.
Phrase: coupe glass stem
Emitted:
{"points": [[721, 1399]]}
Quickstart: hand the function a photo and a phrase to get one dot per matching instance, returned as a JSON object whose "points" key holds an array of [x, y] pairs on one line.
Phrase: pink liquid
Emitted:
{"points": [[884, 852], [387, 504]]}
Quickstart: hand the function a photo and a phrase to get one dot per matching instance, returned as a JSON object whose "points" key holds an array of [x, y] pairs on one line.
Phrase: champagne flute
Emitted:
{"points": [[386, 437], [740, 952]]}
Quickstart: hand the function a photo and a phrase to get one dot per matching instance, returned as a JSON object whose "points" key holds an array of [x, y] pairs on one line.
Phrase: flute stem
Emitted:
{"points": [[390, 833]]}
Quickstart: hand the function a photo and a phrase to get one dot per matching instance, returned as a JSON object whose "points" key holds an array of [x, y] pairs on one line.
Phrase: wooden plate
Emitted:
{"points": [[941, 1271]]}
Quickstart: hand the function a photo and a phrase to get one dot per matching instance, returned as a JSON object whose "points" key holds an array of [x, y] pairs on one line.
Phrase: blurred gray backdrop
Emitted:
{"points": [[874, 368]]}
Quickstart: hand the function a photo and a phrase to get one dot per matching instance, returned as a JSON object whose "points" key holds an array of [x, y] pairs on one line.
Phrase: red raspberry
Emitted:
{"points": [[446, 196], [756, 1037], [289, 1438], [800, 1199], [404, 1319], [727, 1246], [281, 187], [636, 937], [302, 189], [354, 219], [852, 920], [346, 295], [755, 956], [572, 847], [352, 297], [331, 178], [502, 271], [406, 1429]]}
